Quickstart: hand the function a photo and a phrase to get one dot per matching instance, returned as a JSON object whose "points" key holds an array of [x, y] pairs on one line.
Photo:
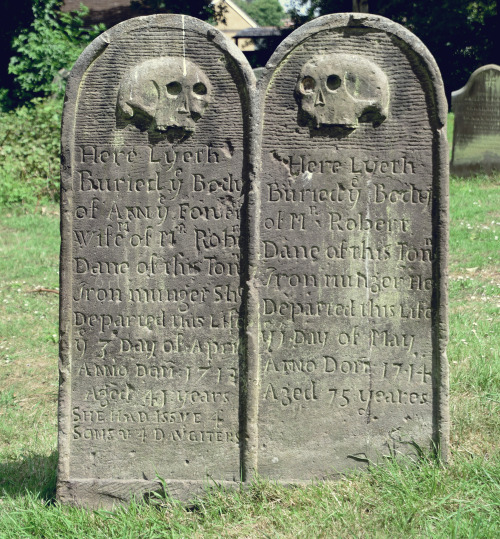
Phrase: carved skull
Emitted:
{"points": [[165, 93], [342, 90]]}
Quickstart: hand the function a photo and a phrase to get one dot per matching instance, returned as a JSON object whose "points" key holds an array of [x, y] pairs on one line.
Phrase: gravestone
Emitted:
{"points": [[153, 182], [476, 133], [352, 235], [253, 281]]}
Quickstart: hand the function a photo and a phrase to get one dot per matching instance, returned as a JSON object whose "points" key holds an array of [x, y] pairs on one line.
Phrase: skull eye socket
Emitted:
{"points": [[174, 88], [308, 84], [333, 82], [200, 89]]}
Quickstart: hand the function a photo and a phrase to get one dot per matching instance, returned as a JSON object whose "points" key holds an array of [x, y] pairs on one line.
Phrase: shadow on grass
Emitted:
{"points": [[33, 473]]}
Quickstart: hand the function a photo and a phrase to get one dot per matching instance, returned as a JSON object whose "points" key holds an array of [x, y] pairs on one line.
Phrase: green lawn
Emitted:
{"points": [[398, 500]]}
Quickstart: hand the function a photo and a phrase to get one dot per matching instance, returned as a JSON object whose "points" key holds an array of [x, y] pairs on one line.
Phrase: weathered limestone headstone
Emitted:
{"points": [[476, 134], [153, 181], [210, 329], [352, 239]]}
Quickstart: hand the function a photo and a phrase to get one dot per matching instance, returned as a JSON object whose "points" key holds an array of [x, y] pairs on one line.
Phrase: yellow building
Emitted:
{"points": [[236, 20]]}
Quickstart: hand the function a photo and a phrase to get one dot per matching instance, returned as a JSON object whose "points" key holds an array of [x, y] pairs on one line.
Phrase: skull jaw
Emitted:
{"points": [[342, 117], [188, 128], [173, 126], [317, 118], [331, 120], [178, 118], [175, 129]]}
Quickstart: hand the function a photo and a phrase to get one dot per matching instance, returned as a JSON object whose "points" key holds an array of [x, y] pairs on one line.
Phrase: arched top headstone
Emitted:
{"points": [[154, 176], [352, 242], [476, 132]]}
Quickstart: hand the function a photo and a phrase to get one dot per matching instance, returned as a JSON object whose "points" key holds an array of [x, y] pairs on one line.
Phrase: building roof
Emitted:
{"points": [[262, 31]]}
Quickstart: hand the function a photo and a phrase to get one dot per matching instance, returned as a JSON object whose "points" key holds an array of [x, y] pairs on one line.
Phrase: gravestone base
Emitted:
{"points": [[488, 166], [108, 494]]}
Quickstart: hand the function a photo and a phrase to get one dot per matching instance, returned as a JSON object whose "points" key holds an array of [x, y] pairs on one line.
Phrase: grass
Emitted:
{"points": [[397, 500], [474, 349], [29, 244]]}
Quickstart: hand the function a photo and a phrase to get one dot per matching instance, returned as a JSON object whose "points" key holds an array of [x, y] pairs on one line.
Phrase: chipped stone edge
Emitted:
{"points": [[81, 491], [438, 119]]}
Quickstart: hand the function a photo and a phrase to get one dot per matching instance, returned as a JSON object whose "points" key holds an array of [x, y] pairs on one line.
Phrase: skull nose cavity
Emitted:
{"points": [[320, 99], [184, 105]]}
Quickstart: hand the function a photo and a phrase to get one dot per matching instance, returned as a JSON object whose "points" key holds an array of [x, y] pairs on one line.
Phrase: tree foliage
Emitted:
{"points": [[263, 12], [457, 32], [29, 152], [37, 40], [461, 34], [53, 41]]}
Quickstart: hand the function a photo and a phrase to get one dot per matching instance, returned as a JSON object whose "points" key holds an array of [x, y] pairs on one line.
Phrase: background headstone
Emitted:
{"points": [[352, 236], [476, 132], [153, 182]]}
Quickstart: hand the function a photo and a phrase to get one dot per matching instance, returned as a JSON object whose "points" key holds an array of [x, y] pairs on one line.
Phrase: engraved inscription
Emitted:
{"points": [[157, 346]]}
